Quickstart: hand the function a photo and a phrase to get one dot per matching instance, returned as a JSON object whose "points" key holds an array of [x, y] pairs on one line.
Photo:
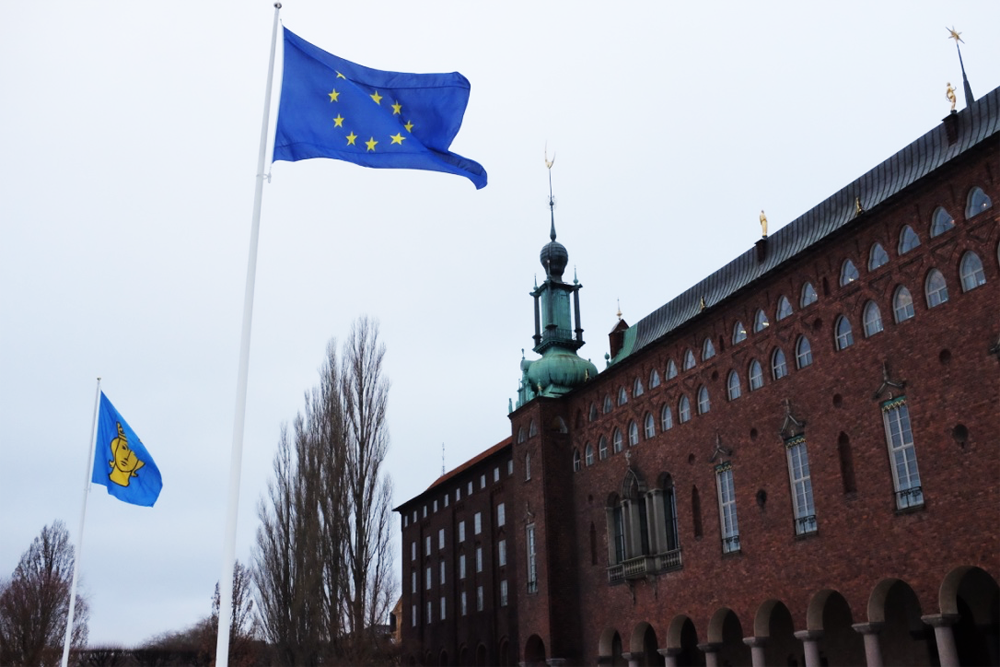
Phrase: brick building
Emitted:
{"points": [[792, 462]]}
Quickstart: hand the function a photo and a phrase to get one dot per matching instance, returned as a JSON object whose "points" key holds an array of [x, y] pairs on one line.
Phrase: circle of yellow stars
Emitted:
{"points": [[397, 110]]}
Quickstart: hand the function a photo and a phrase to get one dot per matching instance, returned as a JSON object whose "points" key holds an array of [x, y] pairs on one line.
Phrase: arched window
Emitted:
{"points": [[756, 375], [733, 385], [684, 409], [848, 273], [607, 404], [707, 349], [671, 369], [688, 360], [872, 319], [808, 295], [588, 454], [971, 271], [935, 289], [760, 321], [521, 437], [654, 379], [532, 429], [977, 202], [779, 368], [669, 539], [650, 425], [704, 405], [803, 352], [576, 460], [602, 448], [908, 240], [616, 441], [637, 389], [941, 222], [739, 332], [902, 304], [784, 308], [666, 418], [592, 415], [622, 396], [877, 257], [844, 335], [633, 434]]}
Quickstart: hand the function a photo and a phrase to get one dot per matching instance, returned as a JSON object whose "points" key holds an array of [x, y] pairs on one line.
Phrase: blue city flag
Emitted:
{"points": [[122, 463], [333, 108]]}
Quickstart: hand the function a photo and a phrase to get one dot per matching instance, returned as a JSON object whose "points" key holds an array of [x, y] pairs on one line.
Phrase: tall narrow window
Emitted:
{"points": [[908, 240], [733, 385], [727, 508], [616, 441], [428, 578], [461, 566], [872, 319], [848, 273], [461, 531], [902, 454], [707, 349], [413, 581], [592, 414], [666, 418], [589, 454], [877, 257], [846, 463], [654, 379], [637, 389], [479, 598], [503, 593], [576, 460], [808, 295], [684, 409], [441, 538], [688, 360], [704, 405], [479, 558], [602, 448], [902, 304], [532, 429], [784, 308], [502, 553], [633, 434], [650, 426], [971, 271], [670, 514], [756, 375], [779, 367], [844, 335], [941, 222], [760, 321], [803, 352], [801, 482], [618, 532], [977, 202], [739, 332], [501, 514], [442, 569], [671, 369], [936, 289], [527, 466], [608, 405], [477, 522], [465, 604], [529, 541]]}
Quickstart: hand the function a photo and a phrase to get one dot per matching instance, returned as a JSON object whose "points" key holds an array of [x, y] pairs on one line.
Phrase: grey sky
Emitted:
{"points": [[131, 133]]}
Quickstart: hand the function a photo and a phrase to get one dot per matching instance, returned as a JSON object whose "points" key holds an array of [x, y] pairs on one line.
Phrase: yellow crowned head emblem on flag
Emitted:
{"points": [[125, 463]]}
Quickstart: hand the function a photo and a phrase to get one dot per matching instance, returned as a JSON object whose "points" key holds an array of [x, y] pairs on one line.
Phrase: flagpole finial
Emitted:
{"points": [[552, 199], [277, 5]]}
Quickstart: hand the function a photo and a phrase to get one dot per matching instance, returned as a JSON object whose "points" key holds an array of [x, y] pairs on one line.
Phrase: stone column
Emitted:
{"points": [[633, 658], [945, 636], [873, 650], [669, 656], [756, 645], [711, 652], [810, 642]]}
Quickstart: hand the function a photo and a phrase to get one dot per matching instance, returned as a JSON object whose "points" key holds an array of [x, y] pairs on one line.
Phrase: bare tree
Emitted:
{"points": [[323, 563], [243, 645], [34, 602]]}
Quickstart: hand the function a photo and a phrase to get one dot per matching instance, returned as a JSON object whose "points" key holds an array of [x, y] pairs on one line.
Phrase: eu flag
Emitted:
{"points": [[122, 463], [331, 107]]}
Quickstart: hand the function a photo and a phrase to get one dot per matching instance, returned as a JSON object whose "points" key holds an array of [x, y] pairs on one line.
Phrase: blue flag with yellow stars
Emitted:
{"points": [[333, 108], [122, 463]]}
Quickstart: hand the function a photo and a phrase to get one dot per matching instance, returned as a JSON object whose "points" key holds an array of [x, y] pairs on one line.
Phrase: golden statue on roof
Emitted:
{"points": [[950, 94]]}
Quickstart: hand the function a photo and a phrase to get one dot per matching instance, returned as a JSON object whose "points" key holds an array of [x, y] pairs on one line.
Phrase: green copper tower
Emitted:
{"points": [[557, 309]]}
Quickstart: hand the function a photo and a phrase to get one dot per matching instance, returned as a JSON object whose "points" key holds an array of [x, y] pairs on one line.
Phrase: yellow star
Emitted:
{"points": [[397, 108], [350, 139], [955, 35], [333, 95], [397, 139], [340, 76], [338, 121], [371, 145], [376, 97], [409, 126]]}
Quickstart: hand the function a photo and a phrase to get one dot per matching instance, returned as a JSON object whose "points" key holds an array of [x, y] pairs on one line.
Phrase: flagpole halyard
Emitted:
{"points": [[236, 460], [79, 537]]}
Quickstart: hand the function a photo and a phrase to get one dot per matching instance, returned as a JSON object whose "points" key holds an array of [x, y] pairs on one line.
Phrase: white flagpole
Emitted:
{"points": [[236, 461], [79, 536]]}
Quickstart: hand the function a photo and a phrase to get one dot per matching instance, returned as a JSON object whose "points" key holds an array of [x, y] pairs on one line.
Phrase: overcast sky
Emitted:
{"points": [[131, 132]]}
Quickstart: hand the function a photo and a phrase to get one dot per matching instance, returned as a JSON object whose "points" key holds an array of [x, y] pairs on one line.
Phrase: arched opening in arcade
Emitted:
{"points": [[534, 651]]}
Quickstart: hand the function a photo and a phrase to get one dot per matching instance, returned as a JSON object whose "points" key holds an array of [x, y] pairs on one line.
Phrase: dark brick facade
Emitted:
{"points": [[867, 573]]}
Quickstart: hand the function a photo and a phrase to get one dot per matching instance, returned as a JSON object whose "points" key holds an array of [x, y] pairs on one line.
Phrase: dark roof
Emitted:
{"points": [[969, 128], [463, 467]]}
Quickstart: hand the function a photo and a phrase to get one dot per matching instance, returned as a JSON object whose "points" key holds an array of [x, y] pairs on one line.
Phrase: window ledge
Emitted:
{"points": [[913, 509]]}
